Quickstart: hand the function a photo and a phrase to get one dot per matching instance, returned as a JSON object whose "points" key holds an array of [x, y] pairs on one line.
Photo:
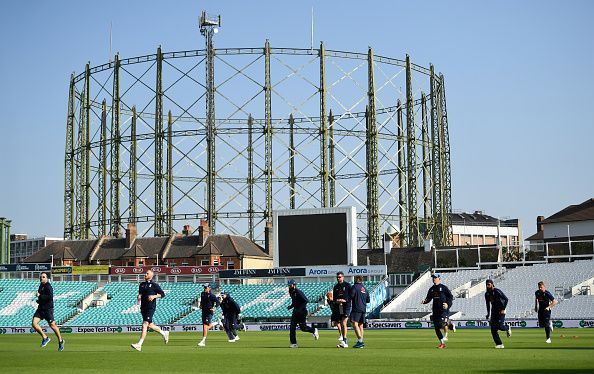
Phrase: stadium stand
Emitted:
{"points": [[564, 280], [17, 300]]}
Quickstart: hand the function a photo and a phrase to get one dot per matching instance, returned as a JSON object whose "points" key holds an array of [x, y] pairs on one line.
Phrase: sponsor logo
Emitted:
{"points": [[521, 323], [196, 270], [120, 270], [557, 324], [175, 271], [19, 330], [274, 327], [2, 331], [137, 270], [385, 325], [318, 272], [66, 330], [189, 328], [413, 325], [213, 270], [586, 323], [470, 324], [156, 269]]}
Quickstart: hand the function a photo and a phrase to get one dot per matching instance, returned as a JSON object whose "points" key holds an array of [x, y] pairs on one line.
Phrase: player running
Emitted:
{"points": [[359, 300], [341, 296], [45, 310], [299, 306], [543, 303], [231, 312], [148, 293], [208, 304], [496, 303], [442, 302]]}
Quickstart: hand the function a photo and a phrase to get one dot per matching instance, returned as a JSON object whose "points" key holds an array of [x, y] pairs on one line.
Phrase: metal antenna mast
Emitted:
{"points": [[209, 27]]}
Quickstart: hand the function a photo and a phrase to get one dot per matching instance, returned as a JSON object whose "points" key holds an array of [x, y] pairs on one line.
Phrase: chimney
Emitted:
{"points": [[539, 220], [203, 231], [187, 230], [268, 244], [130, 235]]}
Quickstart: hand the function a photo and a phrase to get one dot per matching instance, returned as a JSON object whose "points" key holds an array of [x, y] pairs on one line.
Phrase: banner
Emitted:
{"points": [[327, 271], [90, 269], [25, 267], [56, 270], [262, 273], [268, 326], [165, 270]]}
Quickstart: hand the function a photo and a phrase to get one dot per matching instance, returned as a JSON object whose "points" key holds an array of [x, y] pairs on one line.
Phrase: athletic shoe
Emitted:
{"points": [[45, 342], [293, 346], [441, 346], [359, 345], [138, 347], [499, 346], [231, 340], [315, 334], [61, 346], [548, 341], [340, 338], [236, 338], [508, 332], [166, 336], [343, 344], [445, 339], [202, 343]]}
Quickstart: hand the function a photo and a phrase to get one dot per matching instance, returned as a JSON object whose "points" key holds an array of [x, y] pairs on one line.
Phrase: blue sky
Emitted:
{"points": [[518, 75]]}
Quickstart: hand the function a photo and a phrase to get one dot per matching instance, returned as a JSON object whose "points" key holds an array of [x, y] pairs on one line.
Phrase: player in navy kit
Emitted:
{"points": [[45, 310], [496, 303], [543, 303], [359, 300], [341, 296], [148, 293], [299, 315], [442, 302], [208, 305]]}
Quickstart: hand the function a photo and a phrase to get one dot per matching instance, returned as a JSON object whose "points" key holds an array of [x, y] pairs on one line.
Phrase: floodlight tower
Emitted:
{"points": [[209, 27]]}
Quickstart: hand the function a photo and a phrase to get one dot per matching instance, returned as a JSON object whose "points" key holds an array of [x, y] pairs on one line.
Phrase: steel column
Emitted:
{"points": [[69, 202], [132, 172], [87, 156], [447, 171], [103, 172], [211, 170], [426, 166], [291, 162], [402, 201], [268, 131], [323, 131], [436, 159], [169, 190], [159, 219], [373, 231], [332, 181], [411, 147], [116, 142], [250, 180]]}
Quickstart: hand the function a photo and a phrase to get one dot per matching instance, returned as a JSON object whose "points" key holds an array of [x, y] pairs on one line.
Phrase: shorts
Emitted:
{"points": [[47, 314], [147, 314], [358, 317], [344, 312], [206, 317], [440, 320], [335, 317], [544, 318]]}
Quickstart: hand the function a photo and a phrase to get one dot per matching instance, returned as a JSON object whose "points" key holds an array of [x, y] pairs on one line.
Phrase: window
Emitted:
{"points": [[230, 265], [204, 262], [215, 262]]}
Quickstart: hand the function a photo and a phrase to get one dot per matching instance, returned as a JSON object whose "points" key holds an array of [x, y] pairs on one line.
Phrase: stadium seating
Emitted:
{"points": [[122, 308], [17, 300], [518, 284]]}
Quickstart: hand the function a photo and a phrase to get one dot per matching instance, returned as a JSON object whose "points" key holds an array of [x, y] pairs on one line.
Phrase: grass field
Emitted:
{"points": [[396, 351]]}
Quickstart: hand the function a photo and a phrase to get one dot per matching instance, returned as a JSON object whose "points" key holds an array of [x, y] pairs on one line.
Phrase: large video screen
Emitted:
{"points": [[314, 237]]}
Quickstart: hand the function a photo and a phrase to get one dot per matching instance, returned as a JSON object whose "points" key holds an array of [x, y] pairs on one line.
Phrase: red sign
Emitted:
{"points": [[164, 270]]}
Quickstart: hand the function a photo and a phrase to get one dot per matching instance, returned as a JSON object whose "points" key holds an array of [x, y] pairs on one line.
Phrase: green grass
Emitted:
{"points": [[395, 351]]}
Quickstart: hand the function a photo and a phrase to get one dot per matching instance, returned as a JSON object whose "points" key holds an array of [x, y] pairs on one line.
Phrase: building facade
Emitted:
{"points": [[22, 247], [472, 229], [573, 223]]}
